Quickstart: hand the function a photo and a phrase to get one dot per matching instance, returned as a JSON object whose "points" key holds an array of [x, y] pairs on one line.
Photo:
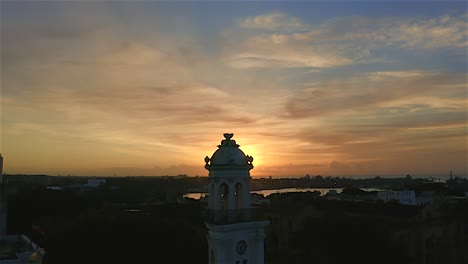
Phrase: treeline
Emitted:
{"points": [[423, 184], [86, 227]]}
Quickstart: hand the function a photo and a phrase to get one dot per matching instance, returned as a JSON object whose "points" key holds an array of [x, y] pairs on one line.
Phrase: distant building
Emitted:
{"points": [[14, 249], [333, 195], [180, 176], [425, 198], [94, 182], [19, 249], [258, 200], [402, 197], [55, 188]]}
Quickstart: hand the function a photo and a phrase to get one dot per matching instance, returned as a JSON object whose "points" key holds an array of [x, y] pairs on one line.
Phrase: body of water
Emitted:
{"points": [[323, 191]]}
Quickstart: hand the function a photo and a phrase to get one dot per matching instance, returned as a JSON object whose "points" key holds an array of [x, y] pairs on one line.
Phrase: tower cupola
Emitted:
{"points": [[229, 176]]}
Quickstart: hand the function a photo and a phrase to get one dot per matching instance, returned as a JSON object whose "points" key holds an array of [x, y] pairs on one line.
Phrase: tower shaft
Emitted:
{"points": [[234, 234]]}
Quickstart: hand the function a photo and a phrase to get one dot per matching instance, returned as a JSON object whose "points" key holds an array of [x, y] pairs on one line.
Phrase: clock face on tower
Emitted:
{"points": [[241, 247]]}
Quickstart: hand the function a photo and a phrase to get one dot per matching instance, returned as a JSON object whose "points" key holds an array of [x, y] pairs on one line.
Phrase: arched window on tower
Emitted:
{"points": [[211, 196], [224, 193], [239, 195]]}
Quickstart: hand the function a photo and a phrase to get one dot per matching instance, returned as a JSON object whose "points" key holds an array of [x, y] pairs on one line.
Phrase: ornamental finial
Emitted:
{"points": [[228, 136], [227, 141]]}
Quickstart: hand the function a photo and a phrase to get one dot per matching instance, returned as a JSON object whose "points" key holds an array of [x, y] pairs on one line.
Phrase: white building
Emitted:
{"points": [[259, 200], [402, 197], [19, 249], [14, 249], [54, 188], [234, 235], [425, 198], [333, 195], [94, 182]]}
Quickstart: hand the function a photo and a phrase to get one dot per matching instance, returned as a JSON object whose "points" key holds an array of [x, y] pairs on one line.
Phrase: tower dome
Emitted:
{"points": [[228, 155]]}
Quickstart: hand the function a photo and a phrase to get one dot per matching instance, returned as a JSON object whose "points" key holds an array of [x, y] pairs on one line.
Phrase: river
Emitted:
{"points": [[323, 191]]}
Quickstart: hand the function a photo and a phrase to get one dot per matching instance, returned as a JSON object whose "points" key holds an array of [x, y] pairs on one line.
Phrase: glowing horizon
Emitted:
{"points": [[148, 88]]}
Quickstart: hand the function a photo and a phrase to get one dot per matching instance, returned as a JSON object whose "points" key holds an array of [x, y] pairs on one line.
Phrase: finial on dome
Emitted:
{"points": [[228, 136], [228, 142]]}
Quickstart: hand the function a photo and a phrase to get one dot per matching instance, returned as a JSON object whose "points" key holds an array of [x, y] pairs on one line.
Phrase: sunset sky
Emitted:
{"points": [[148, 88]]}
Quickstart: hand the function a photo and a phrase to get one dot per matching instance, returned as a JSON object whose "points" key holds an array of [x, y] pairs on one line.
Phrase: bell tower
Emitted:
{"points": [[234, 234]]}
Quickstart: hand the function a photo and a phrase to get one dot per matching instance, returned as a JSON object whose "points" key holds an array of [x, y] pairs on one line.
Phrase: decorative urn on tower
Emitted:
{"points": [[234, 234]]}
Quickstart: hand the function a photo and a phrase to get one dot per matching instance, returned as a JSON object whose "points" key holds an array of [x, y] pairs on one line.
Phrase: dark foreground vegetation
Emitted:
{"points": [[124, 225], [84, 228], [308, 229]]}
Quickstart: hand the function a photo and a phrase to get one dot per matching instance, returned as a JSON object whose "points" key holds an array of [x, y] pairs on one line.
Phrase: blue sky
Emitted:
{"points": [[306, 87]]}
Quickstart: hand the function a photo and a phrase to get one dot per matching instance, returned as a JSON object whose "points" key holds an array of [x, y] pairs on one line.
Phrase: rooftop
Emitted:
{"points": [[20, 249]]}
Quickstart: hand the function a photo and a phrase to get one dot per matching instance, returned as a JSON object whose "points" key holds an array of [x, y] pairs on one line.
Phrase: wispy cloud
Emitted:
{"points": [[410, 74], [444, 31], [379, 88], [279, 51], [272, 21], [340, 41]]}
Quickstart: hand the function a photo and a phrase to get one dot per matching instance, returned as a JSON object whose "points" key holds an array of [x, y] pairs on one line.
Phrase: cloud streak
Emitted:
{"points": [[340, 41], [378, 88], [271, 21]]}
